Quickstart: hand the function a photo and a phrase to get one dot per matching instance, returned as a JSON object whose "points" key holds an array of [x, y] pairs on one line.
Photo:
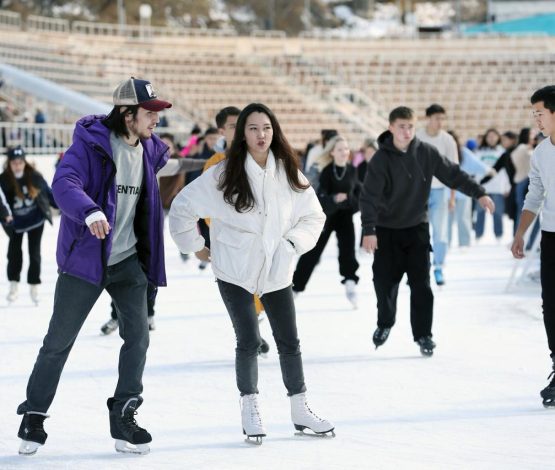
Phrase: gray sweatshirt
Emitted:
{"points": [[129, 180], [542, 184]]}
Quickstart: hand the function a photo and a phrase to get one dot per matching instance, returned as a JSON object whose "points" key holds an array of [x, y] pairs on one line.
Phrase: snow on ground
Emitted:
{"points": [[474, 404]]}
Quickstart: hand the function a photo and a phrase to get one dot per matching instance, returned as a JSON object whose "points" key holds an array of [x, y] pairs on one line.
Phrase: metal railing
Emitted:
{"points": [[43, 23], [10, 19], [53, 138], [138, 31]]}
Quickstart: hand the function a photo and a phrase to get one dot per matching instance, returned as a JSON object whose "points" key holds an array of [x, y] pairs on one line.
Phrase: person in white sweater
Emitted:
{"points": [[263, 213], [541, 191], [442, 198]]}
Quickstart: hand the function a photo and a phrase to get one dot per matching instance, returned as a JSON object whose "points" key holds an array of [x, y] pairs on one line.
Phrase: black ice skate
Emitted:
{"points": [[548, 393], [263, 348], [129, 436], [109, 327], [380, 336], [32, 433], [426, 345]]}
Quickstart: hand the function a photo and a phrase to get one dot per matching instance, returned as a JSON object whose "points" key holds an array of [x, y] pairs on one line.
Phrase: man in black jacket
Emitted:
{"points": [[393, 205]]}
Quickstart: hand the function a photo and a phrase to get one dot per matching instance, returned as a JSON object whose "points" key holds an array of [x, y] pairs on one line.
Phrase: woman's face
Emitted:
{"points": [[340, 153], [258, 133], [17, 166], [492, 139]]}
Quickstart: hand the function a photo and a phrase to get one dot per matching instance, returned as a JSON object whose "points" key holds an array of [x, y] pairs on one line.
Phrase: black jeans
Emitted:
{"points": [[280, 310], [547, 274], [15, 255], [404, 251], [73, 300], [342, 224], [150, 301]]}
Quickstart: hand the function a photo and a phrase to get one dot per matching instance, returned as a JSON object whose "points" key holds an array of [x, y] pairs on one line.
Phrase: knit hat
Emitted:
{"points": [[15, 153]]}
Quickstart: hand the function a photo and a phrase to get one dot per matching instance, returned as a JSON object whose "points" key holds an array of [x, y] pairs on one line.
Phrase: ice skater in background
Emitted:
{"points": [[263, 213], [111, 238], [541, 196], [338, 192], [30, 201], [394, 217]]}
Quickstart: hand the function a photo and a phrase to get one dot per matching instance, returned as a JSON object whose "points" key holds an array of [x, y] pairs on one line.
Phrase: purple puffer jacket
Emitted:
{"points": [[85, 183]]}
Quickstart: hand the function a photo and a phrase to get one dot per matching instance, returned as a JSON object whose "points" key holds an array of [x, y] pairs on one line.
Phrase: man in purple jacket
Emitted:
{"points": [[111, 237]]}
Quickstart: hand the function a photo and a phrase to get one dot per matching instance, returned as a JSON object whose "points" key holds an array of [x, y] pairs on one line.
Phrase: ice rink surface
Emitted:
{"points": [[474, 405]]}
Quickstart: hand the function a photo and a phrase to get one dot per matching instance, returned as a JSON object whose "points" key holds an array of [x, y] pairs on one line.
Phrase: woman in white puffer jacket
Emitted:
{"points": [[263, 212]]}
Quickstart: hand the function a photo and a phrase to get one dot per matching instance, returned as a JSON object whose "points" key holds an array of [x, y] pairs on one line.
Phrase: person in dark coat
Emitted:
{"points": [[29, 198]]}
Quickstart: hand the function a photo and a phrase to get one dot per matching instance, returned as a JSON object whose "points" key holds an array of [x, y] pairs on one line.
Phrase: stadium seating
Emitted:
{"points": [[310, 83]]}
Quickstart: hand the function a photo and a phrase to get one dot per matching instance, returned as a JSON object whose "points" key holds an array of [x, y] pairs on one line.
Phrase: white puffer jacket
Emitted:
{"points": [[249, 249]]}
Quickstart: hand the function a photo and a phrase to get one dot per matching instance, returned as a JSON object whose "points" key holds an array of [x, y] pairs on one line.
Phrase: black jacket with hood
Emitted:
{"points": [[397, 184]]}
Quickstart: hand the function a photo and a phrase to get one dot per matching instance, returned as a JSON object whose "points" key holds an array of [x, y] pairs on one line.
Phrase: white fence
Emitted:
{"points": [[51, 138]]}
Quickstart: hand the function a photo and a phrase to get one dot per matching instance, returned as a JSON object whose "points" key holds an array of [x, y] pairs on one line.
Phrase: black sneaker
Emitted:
{"points": [[548, 393], [32, 432], [426, 345], [122, 422], [380, 336]]}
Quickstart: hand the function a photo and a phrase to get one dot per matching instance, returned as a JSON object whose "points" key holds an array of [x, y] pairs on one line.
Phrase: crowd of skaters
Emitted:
{"points": [[410, 183]]}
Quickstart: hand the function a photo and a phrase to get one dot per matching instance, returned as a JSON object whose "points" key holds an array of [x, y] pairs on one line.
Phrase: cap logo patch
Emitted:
{"points": [[150, 90]]}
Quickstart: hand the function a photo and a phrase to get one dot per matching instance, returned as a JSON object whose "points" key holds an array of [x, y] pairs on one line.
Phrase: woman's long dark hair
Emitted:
{"points": [[234, 181], [524, 136], [28, 171]]}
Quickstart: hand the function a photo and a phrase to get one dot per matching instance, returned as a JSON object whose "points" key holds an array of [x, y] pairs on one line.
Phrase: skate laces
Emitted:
{"points": [[552, 377], [253, 411], [309, 412], [128, 419]]}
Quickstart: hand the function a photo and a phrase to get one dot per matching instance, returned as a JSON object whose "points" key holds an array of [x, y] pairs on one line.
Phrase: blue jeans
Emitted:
{"points": [[499, 201], [74, 298], [463, 216], [438, 209]]}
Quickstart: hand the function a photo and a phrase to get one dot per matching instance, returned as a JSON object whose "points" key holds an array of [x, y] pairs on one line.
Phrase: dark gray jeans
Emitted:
{"points": [[280, 310], [73, 300]]}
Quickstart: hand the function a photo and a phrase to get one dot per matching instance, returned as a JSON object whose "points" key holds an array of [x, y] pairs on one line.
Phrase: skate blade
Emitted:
{"points": [[28, 448], [128, 448], [325, 434], [254, 440]]}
